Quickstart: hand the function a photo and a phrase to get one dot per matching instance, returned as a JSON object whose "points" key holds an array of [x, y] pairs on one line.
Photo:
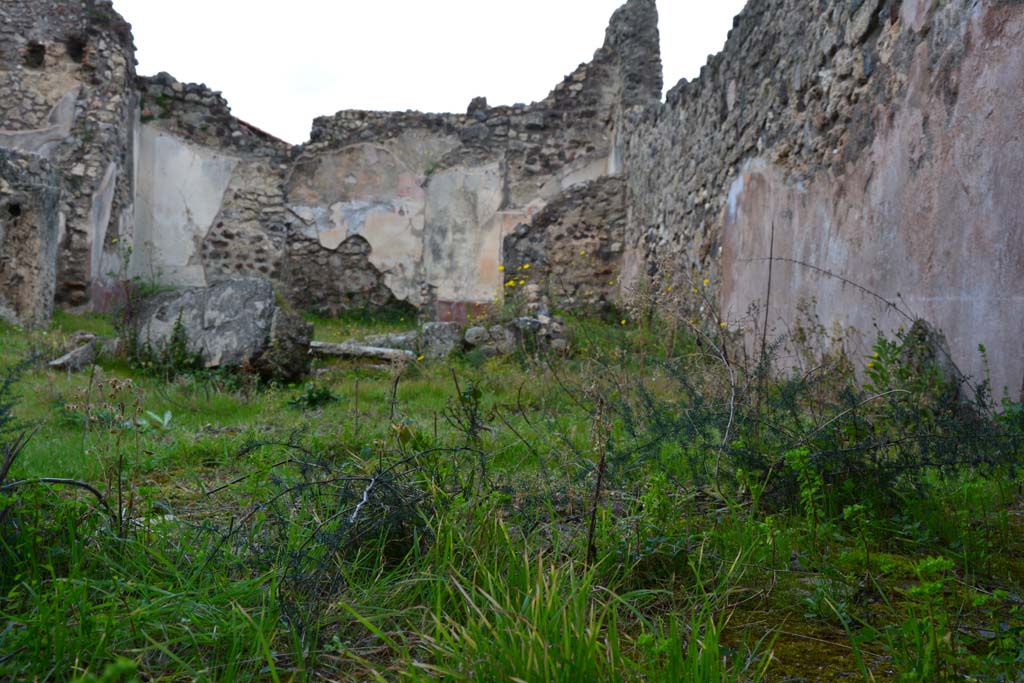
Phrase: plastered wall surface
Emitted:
{"points": [[461, 218], [377, 208], [885, 151], [370, 191], [929, 213], [181, 189]]}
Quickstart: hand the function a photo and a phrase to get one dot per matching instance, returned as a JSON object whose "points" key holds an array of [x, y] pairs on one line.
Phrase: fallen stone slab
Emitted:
{"points": [[234, 323], [86, 354], [408, 341], [356, 350], [80, 358], [438, 340]]}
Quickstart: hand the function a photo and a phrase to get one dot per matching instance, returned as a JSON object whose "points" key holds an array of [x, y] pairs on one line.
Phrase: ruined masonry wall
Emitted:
{"points": [[30, 224], [573, 247], [66, 94], [379, 208], [231, 218], [874, 147], [161, 183], [880, 139]]}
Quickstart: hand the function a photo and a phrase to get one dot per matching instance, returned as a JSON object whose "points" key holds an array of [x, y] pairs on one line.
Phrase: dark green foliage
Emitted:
{"points": [[431, 526], [776, 435], [315, 396]]}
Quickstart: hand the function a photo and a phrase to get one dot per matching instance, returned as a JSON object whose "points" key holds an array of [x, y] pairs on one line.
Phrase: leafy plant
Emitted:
{"points": [[168, 360], [151, 420], [924, 645], [314, 396]]}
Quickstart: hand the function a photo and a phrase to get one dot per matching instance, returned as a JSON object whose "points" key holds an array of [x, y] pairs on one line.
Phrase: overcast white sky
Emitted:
{"points": [[281, 63]]}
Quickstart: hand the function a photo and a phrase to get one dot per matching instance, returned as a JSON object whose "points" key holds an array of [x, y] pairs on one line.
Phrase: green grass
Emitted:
{"points": [[408, 531], [356, 325]]}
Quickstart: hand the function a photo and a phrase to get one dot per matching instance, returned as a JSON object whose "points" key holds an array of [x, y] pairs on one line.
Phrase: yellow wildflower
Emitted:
{"points": [[501, 269], [623, 323], [723, 325], [707, 282], [420, 359], [526, 266]]}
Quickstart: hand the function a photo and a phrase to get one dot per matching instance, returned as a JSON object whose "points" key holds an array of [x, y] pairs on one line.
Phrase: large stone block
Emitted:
{"points": [[234, 323]]}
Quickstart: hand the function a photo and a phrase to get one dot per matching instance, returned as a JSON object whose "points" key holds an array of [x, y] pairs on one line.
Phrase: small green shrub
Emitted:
{"points": [[314, 396], [167, 361]]}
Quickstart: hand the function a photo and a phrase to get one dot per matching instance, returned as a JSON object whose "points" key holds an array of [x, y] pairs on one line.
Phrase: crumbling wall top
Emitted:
{"points": [[201, 115]]}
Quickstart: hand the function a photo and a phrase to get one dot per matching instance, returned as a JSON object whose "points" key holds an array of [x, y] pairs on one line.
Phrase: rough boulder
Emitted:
{"points": [[234, 323]]}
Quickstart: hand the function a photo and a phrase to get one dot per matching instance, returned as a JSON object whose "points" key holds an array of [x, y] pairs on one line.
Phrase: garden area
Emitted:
{"points": [[656, 502]]}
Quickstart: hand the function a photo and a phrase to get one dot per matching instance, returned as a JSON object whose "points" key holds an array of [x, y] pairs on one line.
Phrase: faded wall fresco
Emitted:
{"points": [[377, 208]]}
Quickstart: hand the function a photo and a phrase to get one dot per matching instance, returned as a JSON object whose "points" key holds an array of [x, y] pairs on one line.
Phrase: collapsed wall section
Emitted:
{"points": [[161, 183], [66, 95], [873, 149], [30, 226], [573, 247], [434, 196]]}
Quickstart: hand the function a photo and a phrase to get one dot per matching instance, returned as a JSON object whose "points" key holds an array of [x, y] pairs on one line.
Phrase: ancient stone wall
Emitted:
{"points": [[30, 226], [211, 189], [573, 247], [378, 208], [872, 148], [163, 184], [66, 94]]}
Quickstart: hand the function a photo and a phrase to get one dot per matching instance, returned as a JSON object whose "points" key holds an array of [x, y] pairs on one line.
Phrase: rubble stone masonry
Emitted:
{"points": [[868, 153], [874, 148]]}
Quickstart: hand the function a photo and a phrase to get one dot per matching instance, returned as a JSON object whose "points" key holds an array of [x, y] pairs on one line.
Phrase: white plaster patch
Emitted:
{"points": [[41, 140], [735, 192], [180, 191], [397, 251], [461, 231], [99, 218]]}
